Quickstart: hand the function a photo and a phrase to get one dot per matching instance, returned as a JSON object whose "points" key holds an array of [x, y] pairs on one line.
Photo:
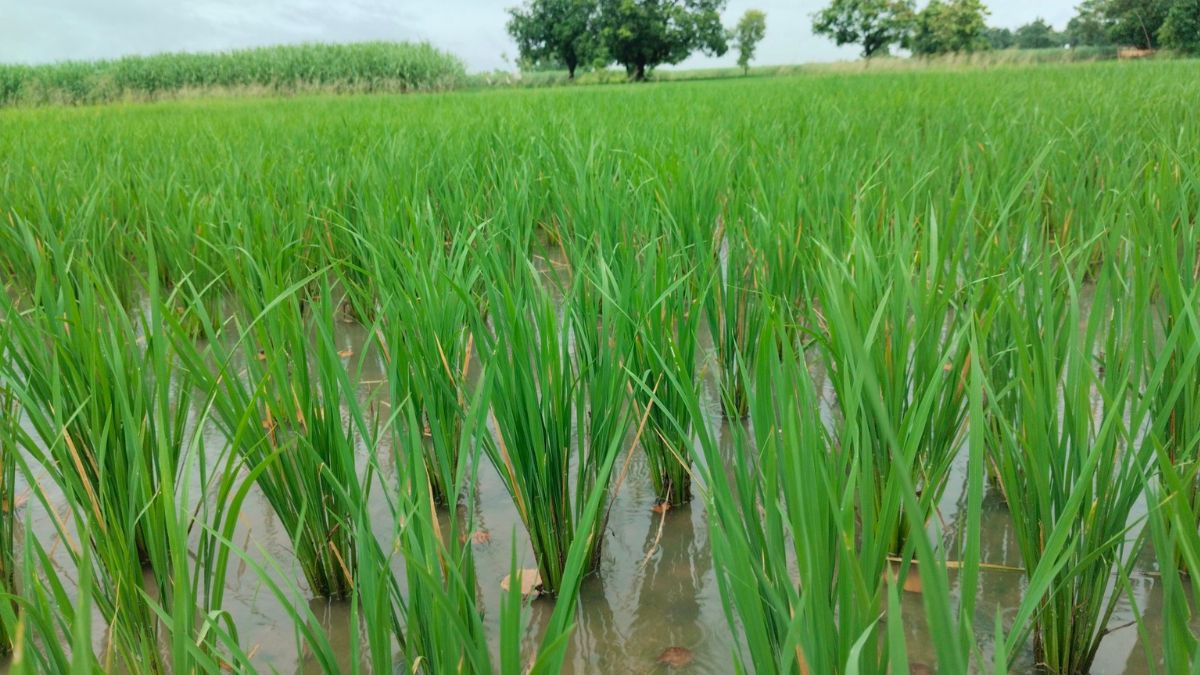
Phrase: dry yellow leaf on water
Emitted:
{"points": [[531, 581]]}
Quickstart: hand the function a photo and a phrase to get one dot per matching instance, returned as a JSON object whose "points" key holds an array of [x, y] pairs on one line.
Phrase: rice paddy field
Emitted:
{"points": [[892, 372]]}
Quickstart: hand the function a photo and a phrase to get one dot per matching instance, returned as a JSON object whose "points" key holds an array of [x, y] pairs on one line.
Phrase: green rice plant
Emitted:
{"points": [[1173, 364], [8, 506], [1069, 460], [1175, 542], [175, 627], [199, 634], [127, 539], [283, 393], [659, 315], [1172, 515], [431, 622], [426, 618], [828, 185], [537, 398], [783, 257], [99, 389], [442, 624], [1176, 273], [802, 577], [767, 519], [602, 421], [85, 241], [733, 307], [53, 633], [895, 347], [425, 336]]}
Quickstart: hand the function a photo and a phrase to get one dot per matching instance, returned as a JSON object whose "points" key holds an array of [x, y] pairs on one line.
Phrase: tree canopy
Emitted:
{"points": [[1037, 34], [1087, 28], [1136, 22], [949, 27], [638, 34], [1000, 38], [749, 32], [642, 34], [875, 25], [1181, 28], [555, 30]]}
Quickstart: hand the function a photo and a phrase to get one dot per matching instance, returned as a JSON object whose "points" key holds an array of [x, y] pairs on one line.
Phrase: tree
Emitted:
{"points": [[1181, 28], [1136, 22], [949, 27], [999, 38], [1037, 35], [874, 24], [1087, 28], [749, 32], [641, 34], [555, 31]]}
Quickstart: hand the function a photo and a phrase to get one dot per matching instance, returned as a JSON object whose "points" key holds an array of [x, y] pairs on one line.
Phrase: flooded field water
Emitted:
{"points": [[655, 598]]}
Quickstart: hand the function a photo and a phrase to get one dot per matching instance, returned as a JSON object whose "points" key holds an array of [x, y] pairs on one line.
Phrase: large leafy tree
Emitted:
{"points": [[749, 32], [642, 34], [555, 30], [1136, 22], [873, 24], [949, 26], [1087, 28], [1000, 38], [1181, 28], [1038, 34]]}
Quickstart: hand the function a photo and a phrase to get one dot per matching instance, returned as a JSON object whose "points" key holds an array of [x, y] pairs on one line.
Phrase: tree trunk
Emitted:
{"points": [[639, 74], [571, 70]]}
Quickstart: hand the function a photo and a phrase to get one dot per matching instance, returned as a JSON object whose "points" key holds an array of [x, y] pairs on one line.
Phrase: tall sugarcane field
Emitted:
{"points": [[894, 371]]}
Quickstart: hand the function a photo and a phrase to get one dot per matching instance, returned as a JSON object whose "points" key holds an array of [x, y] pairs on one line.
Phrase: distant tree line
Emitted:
{"points": [[1144, 24], [643, 34], [637, 34], [960, 26]]}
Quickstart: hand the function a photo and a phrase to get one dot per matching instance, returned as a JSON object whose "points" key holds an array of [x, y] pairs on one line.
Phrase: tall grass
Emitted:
{"points": [[358, 67]]}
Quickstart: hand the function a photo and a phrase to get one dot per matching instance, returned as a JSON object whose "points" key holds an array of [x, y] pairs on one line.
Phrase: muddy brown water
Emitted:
{"points": [[656, 589]]}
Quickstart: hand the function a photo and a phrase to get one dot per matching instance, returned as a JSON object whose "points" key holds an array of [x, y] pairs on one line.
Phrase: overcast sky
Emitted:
{"points": [[38, 31]]}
